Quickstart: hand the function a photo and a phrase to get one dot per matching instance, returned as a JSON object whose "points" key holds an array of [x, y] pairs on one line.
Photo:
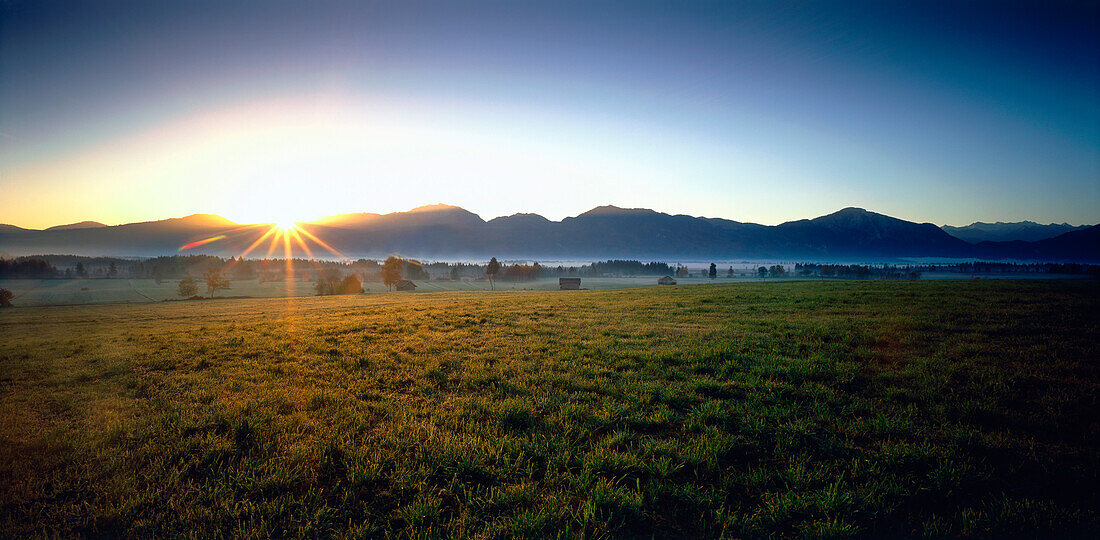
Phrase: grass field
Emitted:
{"points": [[946, 408], [70, 292], [66, 292]]}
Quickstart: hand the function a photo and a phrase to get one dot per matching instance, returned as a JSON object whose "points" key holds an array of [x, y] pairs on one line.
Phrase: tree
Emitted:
{"points": [[350, 285], [414, 270], [491, 271], [112, 270], [214, 281], [729, 273], [5, 298], [713, 271], [454, 273], [682, 271], [188, 288], [391, 271], [244, 270], [763, 271], [327, 282], [777, 271], [80, 271]]}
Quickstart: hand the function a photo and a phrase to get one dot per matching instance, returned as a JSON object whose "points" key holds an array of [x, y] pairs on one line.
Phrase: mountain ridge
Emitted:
{"points": [[445, 231], [77, 225], [1002, 231]]}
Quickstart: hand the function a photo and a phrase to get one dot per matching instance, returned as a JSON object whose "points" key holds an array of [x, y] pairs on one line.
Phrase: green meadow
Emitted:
{"points": [[66, 292], [783, 409]]}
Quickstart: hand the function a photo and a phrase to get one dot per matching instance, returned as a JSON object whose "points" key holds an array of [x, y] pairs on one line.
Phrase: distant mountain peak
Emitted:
{"points": [[852, 211], [524, 216], [1002, 231], [612, 210], [437, 208], [78, 225], [852, 216], [206, 219]]}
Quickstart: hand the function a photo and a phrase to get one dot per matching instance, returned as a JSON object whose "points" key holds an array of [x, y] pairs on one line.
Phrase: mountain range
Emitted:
{"points": [[1028, 231], [449, 232]]}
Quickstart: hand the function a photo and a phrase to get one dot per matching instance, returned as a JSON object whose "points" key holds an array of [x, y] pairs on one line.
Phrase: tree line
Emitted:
{"points": [[176, 267]]}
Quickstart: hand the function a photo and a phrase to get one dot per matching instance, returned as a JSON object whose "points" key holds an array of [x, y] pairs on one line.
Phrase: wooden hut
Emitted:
{"points": [[667, 280], [405, 285], [569, 283]]}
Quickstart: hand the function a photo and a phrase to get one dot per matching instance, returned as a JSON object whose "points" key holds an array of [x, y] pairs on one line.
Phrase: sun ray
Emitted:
{"points": [[292, 237], [301, 244], [289, 256], [321, 243], [250, 248], [258, 242], [274, 243]]}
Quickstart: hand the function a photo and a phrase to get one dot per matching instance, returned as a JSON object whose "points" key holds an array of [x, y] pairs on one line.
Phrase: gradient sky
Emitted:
{"points": [[765, 111]]}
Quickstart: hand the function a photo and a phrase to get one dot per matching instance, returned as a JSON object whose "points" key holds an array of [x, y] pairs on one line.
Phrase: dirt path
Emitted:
{"points": [[132, 288]]}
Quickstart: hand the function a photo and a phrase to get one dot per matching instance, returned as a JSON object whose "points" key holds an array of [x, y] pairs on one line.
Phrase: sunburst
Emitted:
{"points": [[288, 234]]}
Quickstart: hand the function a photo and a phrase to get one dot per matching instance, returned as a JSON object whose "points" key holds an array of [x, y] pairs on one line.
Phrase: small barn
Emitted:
{"points": [[667, 280], [405, 285], [569, 283]]}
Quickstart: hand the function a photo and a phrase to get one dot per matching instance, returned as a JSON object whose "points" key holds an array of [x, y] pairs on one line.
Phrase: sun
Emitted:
{"points": [[285, 226]]}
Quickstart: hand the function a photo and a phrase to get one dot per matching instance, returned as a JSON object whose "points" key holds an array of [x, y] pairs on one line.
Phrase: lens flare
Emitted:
{"points": [[288, 234], [201, 242]]}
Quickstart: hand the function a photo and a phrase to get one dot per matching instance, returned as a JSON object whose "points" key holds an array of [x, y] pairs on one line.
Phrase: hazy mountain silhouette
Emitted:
{"points": [[79, 225], [855, 232], [442, 231], [1028, 231], [1079, 246], [148, 238]]}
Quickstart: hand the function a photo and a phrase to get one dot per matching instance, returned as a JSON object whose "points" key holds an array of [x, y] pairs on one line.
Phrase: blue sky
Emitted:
{"points": [[947, 112]]}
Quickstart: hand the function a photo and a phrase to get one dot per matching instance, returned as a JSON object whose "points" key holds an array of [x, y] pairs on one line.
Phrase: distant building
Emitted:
{"points": [[667, 280], [405, 285], [569, 283]]}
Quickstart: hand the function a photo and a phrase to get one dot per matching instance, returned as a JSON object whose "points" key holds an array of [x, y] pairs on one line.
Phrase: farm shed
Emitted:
{"points": [[667, 280], [569, 283], [405, 285]]}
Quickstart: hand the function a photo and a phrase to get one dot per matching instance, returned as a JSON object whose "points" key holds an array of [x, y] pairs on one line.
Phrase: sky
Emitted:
{"points": [[758, 111]]}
